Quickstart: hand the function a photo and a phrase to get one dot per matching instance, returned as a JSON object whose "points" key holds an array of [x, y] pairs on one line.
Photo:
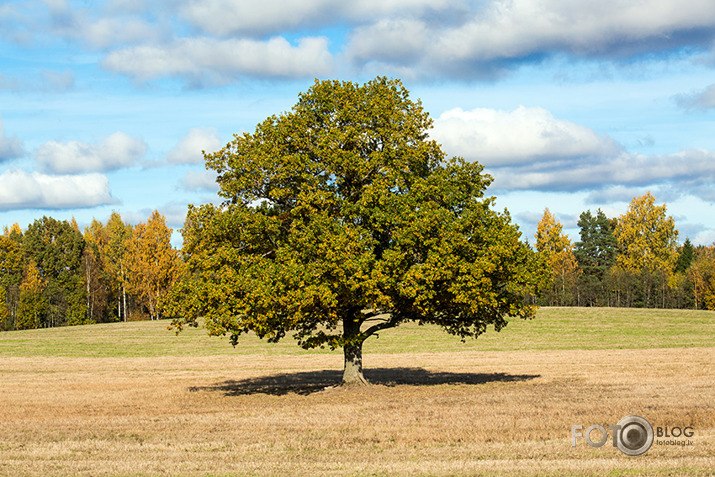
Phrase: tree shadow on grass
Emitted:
{"points": [[309, 382]]}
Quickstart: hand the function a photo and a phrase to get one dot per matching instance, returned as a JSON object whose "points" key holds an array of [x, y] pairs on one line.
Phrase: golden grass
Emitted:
{"points": [[436, 413]]}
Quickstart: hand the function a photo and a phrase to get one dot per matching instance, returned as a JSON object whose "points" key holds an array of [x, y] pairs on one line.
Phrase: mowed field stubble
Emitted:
{"points": [[134, 399]]}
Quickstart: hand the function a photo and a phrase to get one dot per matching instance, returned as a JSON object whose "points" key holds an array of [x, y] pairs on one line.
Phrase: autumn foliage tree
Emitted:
{"points": [[54, 275], [33, 305], [12, 264], [702, 276], [647, 245], [152, 263], [117, 235], [341, 219], [557, 251]]}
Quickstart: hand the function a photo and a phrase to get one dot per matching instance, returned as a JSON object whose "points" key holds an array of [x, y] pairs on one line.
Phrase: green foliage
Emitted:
{"points": [[596, 251], [57, 248], [342, 211], [686, 254], [595, 254]]}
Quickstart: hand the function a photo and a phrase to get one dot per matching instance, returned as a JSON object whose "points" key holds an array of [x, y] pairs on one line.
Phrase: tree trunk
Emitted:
{"points": [[352, 374], [124, 295]]}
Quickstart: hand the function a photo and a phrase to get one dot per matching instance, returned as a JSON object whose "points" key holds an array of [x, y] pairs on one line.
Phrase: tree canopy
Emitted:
{"points": [[342, 218], [647, 238], [557, 251], [596, 251]]}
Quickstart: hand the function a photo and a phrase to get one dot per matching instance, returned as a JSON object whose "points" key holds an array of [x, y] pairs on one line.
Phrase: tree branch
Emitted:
{"points": [[391, 323]]}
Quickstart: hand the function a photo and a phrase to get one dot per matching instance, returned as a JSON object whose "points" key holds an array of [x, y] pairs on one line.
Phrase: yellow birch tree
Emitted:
{"points": [[113, 250], [557, 250], [647, 245], [153, 263], [33, 304], [702, 276]]}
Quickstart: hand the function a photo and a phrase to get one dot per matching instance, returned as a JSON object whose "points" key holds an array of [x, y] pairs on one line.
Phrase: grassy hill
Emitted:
{"points": [[552, 329]]}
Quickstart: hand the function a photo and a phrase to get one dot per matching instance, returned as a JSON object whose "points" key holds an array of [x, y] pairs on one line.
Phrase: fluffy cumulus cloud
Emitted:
{"points": [[22, 190], [489, 39], [189, 150], [214, 42], [209, 60], [114, 152], [529, 149], [96, 27], [525, 135], [10, 147]]}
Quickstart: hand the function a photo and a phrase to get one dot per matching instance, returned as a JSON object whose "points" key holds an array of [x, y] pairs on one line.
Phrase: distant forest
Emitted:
{"points": [[53, 274], [633, 260]]}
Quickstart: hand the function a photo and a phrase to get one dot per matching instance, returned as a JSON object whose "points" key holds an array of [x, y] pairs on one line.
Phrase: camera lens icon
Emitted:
{"points": [[635, 435]]}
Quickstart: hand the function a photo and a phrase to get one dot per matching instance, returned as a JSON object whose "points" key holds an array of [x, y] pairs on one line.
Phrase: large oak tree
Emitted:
{"points": [[341, 219]]}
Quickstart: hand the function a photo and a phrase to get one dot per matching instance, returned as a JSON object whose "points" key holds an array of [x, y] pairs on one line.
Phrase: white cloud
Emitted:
{"points": [[617, 193], [204, 180], [189, 150], [706, 237], [490, 38], [108, 32], [529, 149], [208, 60], [689, 172], [99, 31], [22, 190], [114, 152], [173, 212], [428, 38], [525, 135], [10, 147], [229, 17], [398, 41]]}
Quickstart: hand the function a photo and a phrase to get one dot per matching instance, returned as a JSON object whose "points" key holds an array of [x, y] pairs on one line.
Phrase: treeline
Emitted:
{"points": [[630, 261], [54, 275]]}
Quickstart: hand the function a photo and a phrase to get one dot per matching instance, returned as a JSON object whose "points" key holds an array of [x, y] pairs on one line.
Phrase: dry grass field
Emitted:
{"points": [[121, 400]]}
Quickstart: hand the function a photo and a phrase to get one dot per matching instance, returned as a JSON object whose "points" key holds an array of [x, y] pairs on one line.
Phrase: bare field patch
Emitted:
{"points": [[437, 413]]}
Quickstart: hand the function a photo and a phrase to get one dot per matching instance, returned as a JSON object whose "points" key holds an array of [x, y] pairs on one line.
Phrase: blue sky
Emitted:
{"points": [[106, 106]]}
